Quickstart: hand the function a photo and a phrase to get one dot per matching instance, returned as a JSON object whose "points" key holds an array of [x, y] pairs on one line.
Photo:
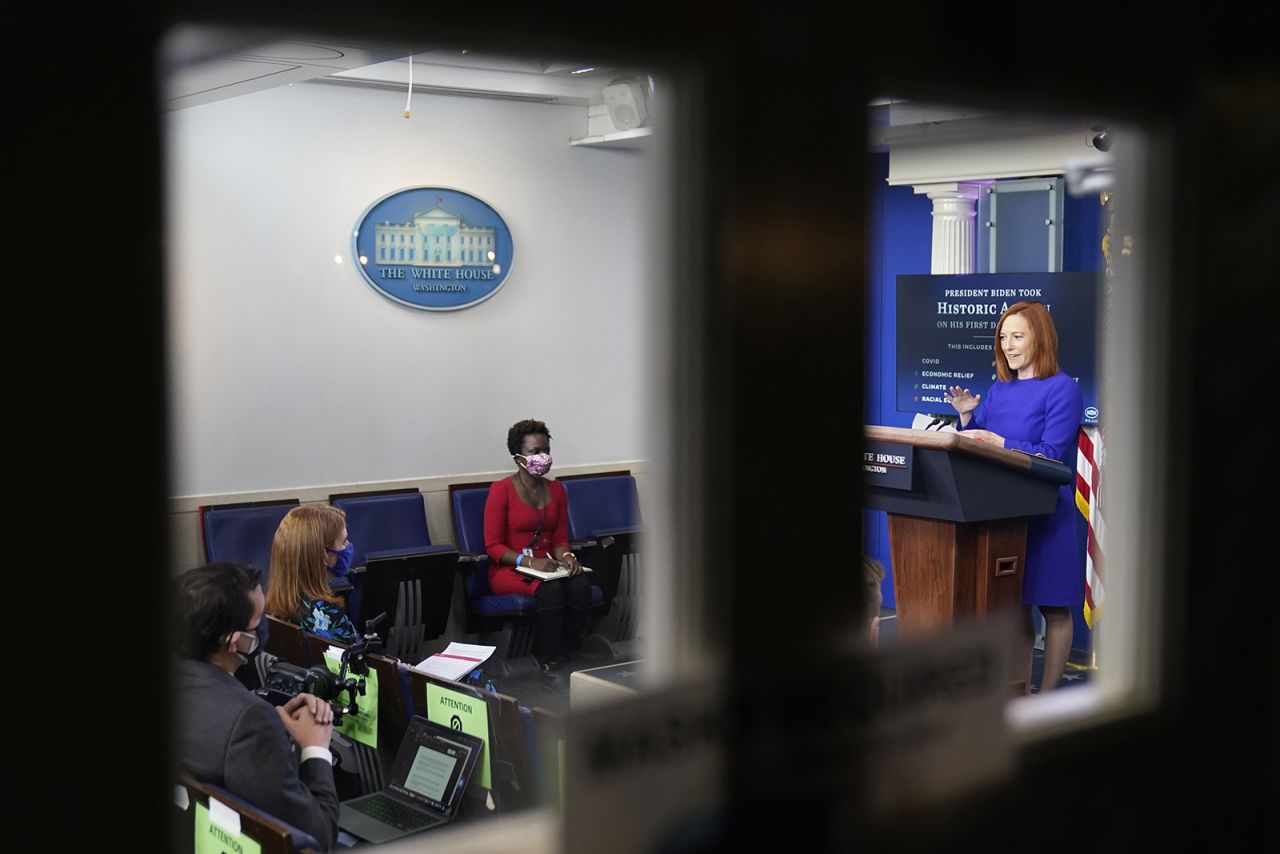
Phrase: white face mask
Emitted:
{"points": [[247, 642], [246, 646]]}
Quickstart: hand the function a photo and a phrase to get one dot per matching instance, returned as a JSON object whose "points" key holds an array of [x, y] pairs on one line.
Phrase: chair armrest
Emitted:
{"points": [[617, 532], [409, 552], [608, 536]]}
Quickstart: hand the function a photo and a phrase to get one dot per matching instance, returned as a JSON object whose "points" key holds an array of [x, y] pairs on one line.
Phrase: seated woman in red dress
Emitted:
{"points": [[526, 523]]}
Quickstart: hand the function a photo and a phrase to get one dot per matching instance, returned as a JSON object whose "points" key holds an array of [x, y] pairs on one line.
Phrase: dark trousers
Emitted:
{"points": [[561, 615]]}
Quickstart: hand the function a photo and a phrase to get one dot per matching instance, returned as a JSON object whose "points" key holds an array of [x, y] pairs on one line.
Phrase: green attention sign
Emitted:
{"points": [[464, 713], [212, 839], [362, 726]]}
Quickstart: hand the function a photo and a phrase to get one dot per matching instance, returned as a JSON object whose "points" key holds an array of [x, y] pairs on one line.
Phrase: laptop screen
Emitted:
{"points": [[430, 767]]}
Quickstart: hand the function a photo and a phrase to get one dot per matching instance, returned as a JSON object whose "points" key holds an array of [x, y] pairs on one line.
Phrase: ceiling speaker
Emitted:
{"points": [[626, 103]]}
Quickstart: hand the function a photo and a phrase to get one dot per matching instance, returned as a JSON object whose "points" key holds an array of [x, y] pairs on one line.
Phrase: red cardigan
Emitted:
{"points": [[509, 525]]}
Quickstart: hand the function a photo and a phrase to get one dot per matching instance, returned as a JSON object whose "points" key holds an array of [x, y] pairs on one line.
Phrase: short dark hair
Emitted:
{"points": [[515, 436], [211, 601]]}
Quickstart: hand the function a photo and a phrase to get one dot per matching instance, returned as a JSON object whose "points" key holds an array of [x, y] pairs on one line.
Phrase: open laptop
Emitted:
{"points": [[426, 783]]}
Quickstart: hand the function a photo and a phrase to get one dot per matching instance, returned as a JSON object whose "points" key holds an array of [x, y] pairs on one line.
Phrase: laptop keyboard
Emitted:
{"points": [[393, 813]]}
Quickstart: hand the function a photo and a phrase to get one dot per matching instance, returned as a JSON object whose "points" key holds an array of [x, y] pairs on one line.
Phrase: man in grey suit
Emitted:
{"points": [[229, 736]]}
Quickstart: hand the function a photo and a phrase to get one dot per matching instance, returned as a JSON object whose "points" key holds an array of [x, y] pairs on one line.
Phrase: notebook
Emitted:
{"points": [[551, 575], [424, 789]]}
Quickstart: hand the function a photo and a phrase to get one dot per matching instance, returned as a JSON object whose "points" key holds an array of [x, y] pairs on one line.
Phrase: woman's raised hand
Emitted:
{"points": [[962, 400]]}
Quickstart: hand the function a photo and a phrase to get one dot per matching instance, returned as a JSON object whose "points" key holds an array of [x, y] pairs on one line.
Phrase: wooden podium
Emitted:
{"points": [[958, 513]]}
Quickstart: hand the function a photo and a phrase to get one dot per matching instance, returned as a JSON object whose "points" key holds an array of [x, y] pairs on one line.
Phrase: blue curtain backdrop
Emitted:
{"points": [[900, 242]]}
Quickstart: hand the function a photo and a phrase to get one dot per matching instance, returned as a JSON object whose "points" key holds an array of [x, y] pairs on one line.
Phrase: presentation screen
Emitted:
{"points": [[946, 332]]}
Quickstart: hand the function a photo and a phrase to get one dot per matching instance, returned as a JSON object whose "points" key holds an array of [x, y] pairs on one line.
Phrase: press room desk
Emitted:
{"points": [[603, 684]]}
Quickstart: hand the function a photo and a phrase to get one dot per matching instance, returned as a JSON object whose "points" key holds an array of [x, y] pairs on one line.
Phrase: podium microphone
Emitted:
{"points": [[940, 420]]}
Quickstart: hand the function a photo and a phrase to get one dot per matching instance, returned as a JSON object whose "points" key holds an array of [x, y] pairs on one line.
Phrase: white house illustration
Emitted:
{"points": [[434, 238]]}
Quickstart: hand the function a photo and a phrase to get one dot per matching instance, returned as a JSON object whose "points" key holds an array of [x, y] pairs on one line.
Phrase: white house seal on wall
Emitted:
{"points": [[433, 248]]}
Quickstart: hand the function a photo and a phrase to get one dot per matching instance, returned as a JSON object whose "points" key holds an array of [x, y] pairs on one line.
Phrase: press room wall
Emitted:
{"points": [[288, 371], [900, 240]]}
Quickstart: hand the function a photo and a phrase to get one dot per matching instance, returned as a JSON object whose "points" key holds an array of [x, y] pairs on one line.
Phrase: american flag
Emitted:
{"points": [[1089, 463]]}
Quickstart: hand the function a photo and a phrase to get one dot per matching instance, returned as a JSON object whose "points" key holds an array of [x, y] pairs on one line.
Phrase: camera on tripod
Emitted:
{"points": [[284, 681]]}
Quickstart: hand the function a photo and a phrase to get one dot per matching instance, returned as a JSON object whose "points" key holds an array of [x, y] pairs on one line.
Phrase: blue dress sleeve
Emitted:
{"points": [[1064, 404]]}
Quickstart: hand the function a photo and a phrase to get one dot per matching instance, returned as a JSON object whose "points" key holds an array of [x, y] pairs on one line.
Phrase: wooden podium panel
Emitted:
{"points": [[944, 572]]}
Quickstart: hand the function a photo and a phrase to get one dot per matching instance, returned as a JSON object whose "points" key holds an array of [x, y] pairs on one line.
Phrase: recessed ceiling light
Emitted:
{"points": [[584, 70]]}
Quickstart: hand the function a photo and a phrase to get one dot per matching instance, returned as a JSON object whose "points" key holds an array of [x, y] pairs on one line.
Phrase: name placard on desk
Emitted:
{"points": [[887, 464]]}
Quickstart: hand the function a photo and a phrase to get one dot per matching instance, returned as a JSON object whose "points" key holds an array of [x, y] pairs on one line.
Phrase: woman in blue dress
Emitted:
{"points": [[1036, 408]]}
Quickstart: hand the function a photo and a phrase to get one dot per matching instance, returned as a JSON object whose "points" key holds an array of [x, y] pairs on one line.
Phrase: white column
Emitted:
{"points": [[953, 215]]}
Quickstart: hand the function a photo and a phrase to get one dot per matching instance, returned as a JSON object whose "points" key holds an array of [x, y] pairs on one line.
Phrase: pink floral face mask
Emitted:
{"points": [[537, 464]]}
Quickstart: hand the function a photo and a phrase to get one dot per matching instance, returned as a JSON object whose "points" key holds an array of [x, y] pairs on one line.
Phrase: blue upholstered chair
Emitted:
{"points": [[605, 526], [386, 524], [602, 506], [243, 532], [486, 610], [396, 570]]}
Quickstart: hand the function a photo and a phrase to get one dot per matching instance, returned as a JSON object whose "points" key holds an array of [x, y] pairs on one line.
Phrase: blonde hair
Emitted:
{"points": [[298, 567]]}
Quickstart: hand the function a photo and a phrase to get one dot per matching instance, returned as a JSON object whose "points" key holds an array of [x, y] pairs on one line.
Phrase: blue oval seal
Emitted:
{"points": [[432, 248], [1091, 413]]}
